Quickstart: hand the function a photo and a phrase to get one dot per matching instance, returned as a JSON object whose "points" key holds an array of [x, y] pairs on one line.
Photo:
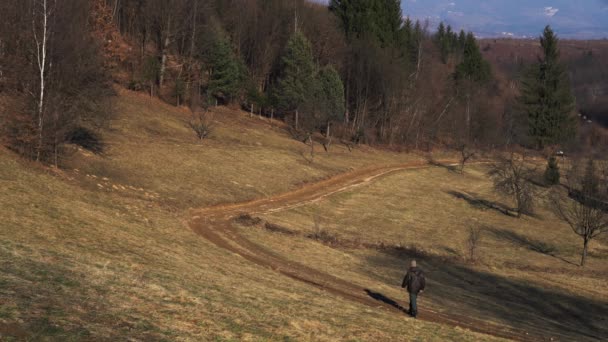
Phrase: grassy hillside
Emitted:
{"points": [[101, 251], [151, 147], [526, 274]]}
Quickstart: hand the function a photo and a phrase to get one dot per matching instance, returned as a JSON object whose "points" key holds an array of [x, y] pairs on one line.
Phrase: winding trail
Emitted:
{"points": [[215, 224]]}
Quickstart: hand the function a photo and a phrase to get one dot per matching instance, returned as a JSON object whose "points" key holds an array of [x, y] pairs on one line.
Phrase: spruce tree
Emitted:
{"points": [[591, 182], [552, 172], [473, 66], [471, 74], [450, 37], [227, 72], [332, 95], [411, 41], [443, 39], [546, 96], [462, 39], [297, 83], [151, 70], [440, 32], [380, 20]]}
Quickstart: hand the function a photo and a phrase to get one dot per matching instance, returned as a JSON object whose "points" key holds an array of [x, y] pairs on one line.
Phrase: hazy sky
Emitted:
{"points": [[570, 18]]}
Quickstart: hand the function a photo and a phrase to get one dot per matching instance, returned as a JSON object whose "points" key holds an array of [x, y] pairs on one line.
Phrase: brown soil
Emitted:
{"points": [[215, 224]]}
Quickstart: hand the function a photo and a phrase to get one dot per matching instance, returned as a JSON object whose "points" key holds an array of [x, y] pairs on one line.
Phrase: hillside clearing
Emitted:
{"points": [[101, 250]]}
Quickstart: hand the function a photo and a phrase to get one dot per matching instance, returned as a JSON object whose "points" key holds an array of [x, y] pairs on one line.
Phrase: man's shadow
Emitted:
{"points": [[384, 299]]}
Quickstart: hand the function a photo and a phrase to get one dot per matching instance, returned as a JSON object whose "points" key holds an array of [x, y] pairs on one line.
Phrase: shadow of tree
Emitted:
{"points": [[457, 288], [527, 242], [483, 204], [450, 168]]}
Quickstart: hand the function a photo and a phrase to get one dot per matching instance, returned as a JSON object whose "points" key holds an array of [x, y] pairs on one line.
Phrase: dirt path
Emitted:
{"points": [[215, 224]]}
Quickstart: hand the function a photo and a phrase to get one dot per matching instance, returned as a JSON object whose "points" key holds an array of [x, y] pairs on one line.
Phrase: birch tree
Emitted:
{"points": [[42, 12]]}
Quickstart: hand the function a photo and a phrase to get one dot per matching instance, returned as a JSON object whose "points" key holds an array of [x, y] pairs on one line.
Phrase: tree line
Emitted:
{"points": [[361, 67]]}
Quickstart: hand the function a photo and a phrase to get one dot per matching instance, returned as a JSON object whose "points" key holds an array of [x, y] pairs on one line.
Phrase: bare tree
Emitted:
{"points": [[511, 176], [585, 208], [42, 12], [465, 155]]}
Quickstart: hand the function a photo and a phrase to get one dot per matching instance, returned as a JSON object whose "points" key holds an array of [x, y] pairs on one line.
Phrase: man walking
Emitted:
{"points": [[414, 282]]}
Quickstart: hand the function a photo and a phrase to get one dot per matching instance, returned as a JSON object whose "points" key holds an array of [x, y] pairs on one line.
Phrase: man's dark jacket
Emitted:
{"points": [[414, 280]]}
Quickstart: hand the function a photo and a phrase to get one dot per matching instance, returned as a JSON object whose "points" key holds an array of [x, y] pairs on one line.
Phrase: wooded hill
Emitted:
{"points": [[353, 69]]}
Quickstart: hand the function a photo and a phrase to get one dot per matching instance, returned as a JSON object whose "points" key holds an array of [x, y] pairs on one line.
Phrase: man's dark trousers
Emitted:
{"points": [[413, 304]]}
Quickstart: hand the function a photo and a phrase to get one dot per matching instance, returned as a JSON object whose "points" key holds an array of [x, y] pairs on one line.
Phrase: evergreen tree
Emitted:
{"points": [[440, 32], [471, 74], [377, 19], [450, 37], [411, 41], [297, 83], [151, 70], [227, 72], [444, 38], [591, 182], [473, 66], [552, 172], [179, 90], [332, 95], [462, 39], [546, 96]]}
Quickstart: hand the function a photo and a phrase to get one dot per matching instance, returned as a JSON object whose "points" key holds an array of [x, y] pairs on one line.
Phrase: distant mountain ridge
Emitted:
{"points": [[517, 18]]}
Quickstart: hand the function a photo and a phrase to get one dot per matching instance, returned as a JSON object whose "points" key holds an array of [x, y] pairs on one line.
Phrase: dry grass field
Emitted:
{"points": [[525, 276], [101, 250], [150, 146]]}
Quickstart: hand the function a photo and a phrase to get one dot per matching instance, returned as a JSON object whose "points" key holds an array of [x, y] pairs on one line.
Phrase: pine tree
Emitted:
{"points": [[377, 19], [151, 70], [443, 39], [471, 73], [462, 39], [450, 35], [332, 95], [473, 66], [297, 83], [179, 90], [546, 96], [591, 182], [411, 41], [227, 72], [552, 172], [440, 32]]}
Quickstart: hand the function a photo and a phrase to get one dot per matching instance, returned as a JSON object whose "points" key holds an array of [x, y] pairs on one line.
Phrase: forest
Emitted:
{"points": [[361, 71]]}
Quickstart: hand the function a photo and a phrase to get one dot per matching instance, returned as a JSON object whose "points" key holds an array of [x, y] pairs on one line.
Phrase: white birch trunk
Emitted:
{"points": [[163, 61], [41, 56]]}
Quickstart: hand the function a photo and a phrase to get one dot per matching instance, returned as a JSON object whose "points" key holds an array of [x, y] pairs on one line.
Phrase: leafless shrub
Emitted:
{"points": [[322, 235], [202, 123], [247, 220]]}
